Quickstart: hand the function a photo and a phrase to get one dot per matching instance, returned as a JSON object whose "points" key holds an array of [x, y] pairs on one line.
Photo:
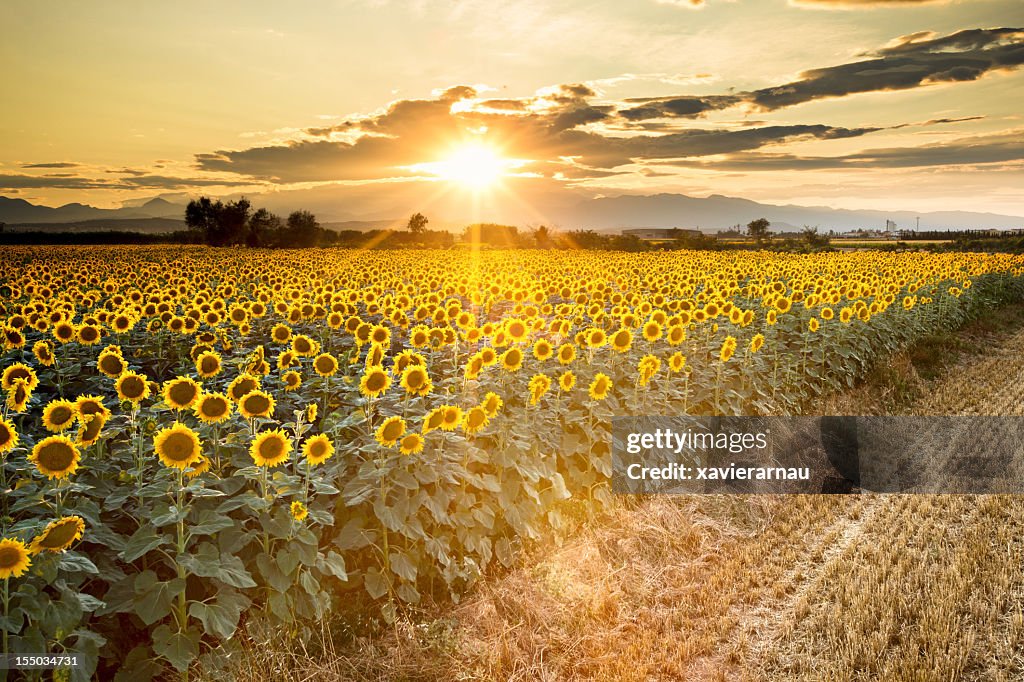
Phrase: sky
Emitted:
{"points": [[373, 107]]}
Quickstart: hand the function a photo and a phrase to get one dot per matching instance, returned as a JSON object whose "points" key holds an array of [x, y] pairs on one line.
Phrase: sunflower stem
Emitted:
{"points": [[7, 602]]}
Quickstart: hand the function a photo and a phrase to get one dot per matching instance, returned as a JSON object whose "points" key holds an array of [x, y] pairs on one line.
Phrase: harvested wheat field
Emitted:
{"points": [[816, 587]]}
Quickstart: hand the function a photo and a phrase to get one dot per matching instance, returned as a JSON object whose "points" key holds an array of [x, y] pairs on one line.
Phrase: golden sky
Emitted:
{"points": [[904, 104]]}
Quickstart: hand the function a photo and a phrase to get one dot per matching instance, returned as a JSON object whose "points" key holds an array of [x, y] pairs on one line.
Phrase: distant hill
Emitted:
{"points": [[709, 214], [719, 212], [19, 211]]}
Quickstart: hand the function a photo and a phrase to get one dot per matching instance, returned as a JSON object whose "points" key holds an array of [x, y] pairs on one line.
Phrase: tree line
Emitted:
{"points": [[235, 223]]}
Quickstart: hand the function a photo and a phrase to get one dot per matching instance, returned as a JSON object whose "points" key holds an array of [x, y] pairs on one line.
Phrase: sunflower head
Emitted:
{"points": [[256, 404], [14, 558], [208, 364], [8, 436], [374, 382], [132, 387], [56, 457], [475, 420], [270, 448], [390, 431], [326, 365], [58, 535], [59, 415], [181, 393], [19, 371], [318, 449], [298, 511], [411, 444], [178, 446], [600, 386], [212, 408], [242, 385]]}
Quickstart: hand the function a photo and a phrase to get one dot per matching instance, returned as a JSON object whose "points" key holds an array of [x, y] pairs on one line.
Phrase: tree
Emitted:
{"points": [[542, 237], [220, 224], [417, 223], [264, 229], [758, 229], [303, 230]]}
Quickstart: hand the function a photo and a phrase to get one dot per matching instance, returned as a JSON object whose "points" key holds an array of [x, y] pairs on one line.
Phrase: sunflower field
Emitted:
{"points": [[196, 441]]}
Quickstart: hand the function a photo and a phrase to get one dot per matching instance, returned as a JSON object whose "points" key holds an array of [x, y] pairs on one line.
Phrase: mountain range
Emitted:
{"points": [[603, 213]]}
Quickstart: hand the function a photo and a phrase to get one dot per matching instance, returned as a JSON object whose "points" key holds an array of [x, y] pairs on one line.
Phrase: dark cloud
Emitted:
{"points": [[911, 61], [979, 150], [12, 181], [55, 164]]}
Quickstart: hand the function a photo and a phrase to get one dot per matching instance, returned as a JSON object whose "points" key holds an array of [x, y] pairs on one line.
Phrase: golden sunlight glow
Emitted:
{"points": [[476, 166]]}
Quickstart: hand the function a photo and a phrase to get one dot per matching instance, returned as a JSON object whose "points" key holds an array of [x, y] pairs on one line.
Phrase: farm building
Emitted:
{"points": [[660, 233]]}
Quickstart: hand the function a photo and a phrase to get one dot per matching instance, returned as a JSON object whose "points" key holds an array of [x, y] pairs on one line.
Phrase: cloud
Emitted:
{"points": [[14, 181], [1003, 147], [911, 61], [552, 125], [56, 164]]}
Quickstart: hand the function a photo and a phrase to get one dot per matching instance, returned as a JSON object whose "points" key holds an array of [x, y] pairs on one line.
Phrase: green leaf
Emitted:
{"points": [[76, 563], [179, 648], [144, 540], [218, 618], [376, 584], [333, 563], [403, 566], [209, 522]]}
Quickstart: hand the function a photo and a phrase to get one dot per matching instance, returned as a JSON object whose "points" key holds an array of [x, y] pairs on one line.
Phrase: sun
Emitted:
{"points": [[475, 166]]}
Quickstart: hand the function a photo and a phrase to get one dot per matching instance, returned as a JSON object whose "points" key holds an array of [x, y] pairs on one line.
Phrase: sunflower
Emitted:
{"points": [[43, 350], [256, 404], [8, 436], [375, 355], [292, 380], [281, 333], [111, 363], [208, 364], [317, 449], [59, 415], [326, 365], [652, 331], [55, 457], [311, 411], [542, 349], [596, 337], [58, 535], [416, 381], [20, 371], [827, 313], [270, 448], [242, 385], [600, 386], [411, 444], [287, 359], [212, 408], [647, 368], [63, 332], [539, 385], [676, 335], [783, 304], [178, 446], [492, 403], [475, 420], [566, 380], [181, 393], [18, 396], [451, 418], [298, 511], [512, 360], [89, 335], [813, 324], [621, 340], [390, 431], [756, 343], [200, 466], [374, 382], [488, 355], [304, 347], [380, 335], [433, 419], [92, 416], [133, 387], [728, 348], [516, 329], [566, 353], [14, 558], [677, 362]]}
